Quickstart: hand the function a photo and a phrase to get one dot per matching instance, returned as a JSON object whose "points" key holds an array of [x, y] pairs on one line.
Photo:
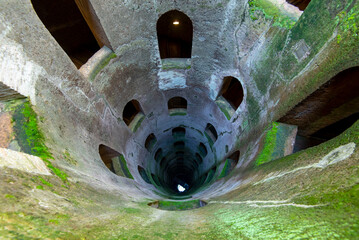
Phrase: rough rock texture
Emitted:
{"points": [[279, 62], [21, 161]]}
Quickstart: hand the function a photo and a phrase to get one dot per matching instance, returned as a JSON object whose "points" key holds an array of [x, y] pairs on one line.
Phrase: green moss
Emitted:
{"points": [[26, 226], [199, 131], [226, 113], [40, 187], [178, 113], [54, 221], [209, 139], [29, 137], [154, 180], [43, 181], [132, 210], [226, 169], [168, 129], [348, 24], [124, 167], [269, 145], [270, 11], [350, 134], [176, 67], [210, 176], [9, 196], [168, 64], [144, 176], [138, 123], [101, 65], [58, 172], [178, 205], [12, 105], [225, 107], [338, 199], [283, 133], [68, 158]]}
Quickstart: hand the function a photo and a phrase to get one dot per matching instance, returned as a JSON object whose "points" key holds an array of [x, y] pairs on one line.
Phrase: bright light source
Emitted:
{"points": [[180, 188], [175, 22]]}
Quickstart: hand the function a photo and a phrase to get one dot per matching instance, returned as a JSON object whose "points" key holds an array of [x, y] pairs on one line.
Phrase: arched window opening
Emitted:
{"points": [[158, 155], [327, 112], [143, 174], [174, 33], [229, 164], [196, 164], [179, 144], [177, 106], [211, 174], [114, 161], [155, 179], [301, 4], [150, 142], [132, 115], [230, 96], [202, 149], [64, 21], [163, 162], [178, 132], [180, 154], [211, 134], [199, 158]]}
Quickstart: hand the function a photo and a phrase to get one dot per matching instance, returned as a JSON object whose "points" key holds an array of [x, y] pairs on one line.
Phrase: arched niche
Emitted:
{"points": [[174, 33], [133, 115], [150, 142], [177, 106], [158, 155], [211, 133], [199, 158], [114, 161], [202, 150], [143, 174], [179, 145], [178, 132], [230, 96], [229, 164]]}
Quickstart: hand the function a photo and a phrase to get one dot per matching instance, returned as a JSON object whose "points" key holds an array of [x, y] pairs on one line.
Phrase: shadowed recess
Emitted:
{"points": [[174, 33]]}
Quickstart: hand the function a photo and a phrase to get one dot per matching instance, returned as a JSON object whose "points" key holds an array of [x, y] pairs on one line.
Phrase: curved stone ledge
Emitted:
{"points": [[96, 63]]}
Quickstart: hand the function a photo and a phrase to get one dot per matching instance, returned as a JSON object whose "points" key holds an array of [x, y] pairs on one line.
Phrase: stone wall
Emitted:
{"points": [[277, 60]]}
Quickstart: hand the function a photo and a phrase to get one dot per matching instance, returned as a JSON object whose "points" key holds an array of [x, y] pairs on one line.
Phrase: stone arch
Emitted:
{"points": [[174, 33], [229, 164], [211, 133], [231, 96], [178, 132], [232, 91], [150, 142], [177, 106], [133, 115], [114, 161], [143, 174]]}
